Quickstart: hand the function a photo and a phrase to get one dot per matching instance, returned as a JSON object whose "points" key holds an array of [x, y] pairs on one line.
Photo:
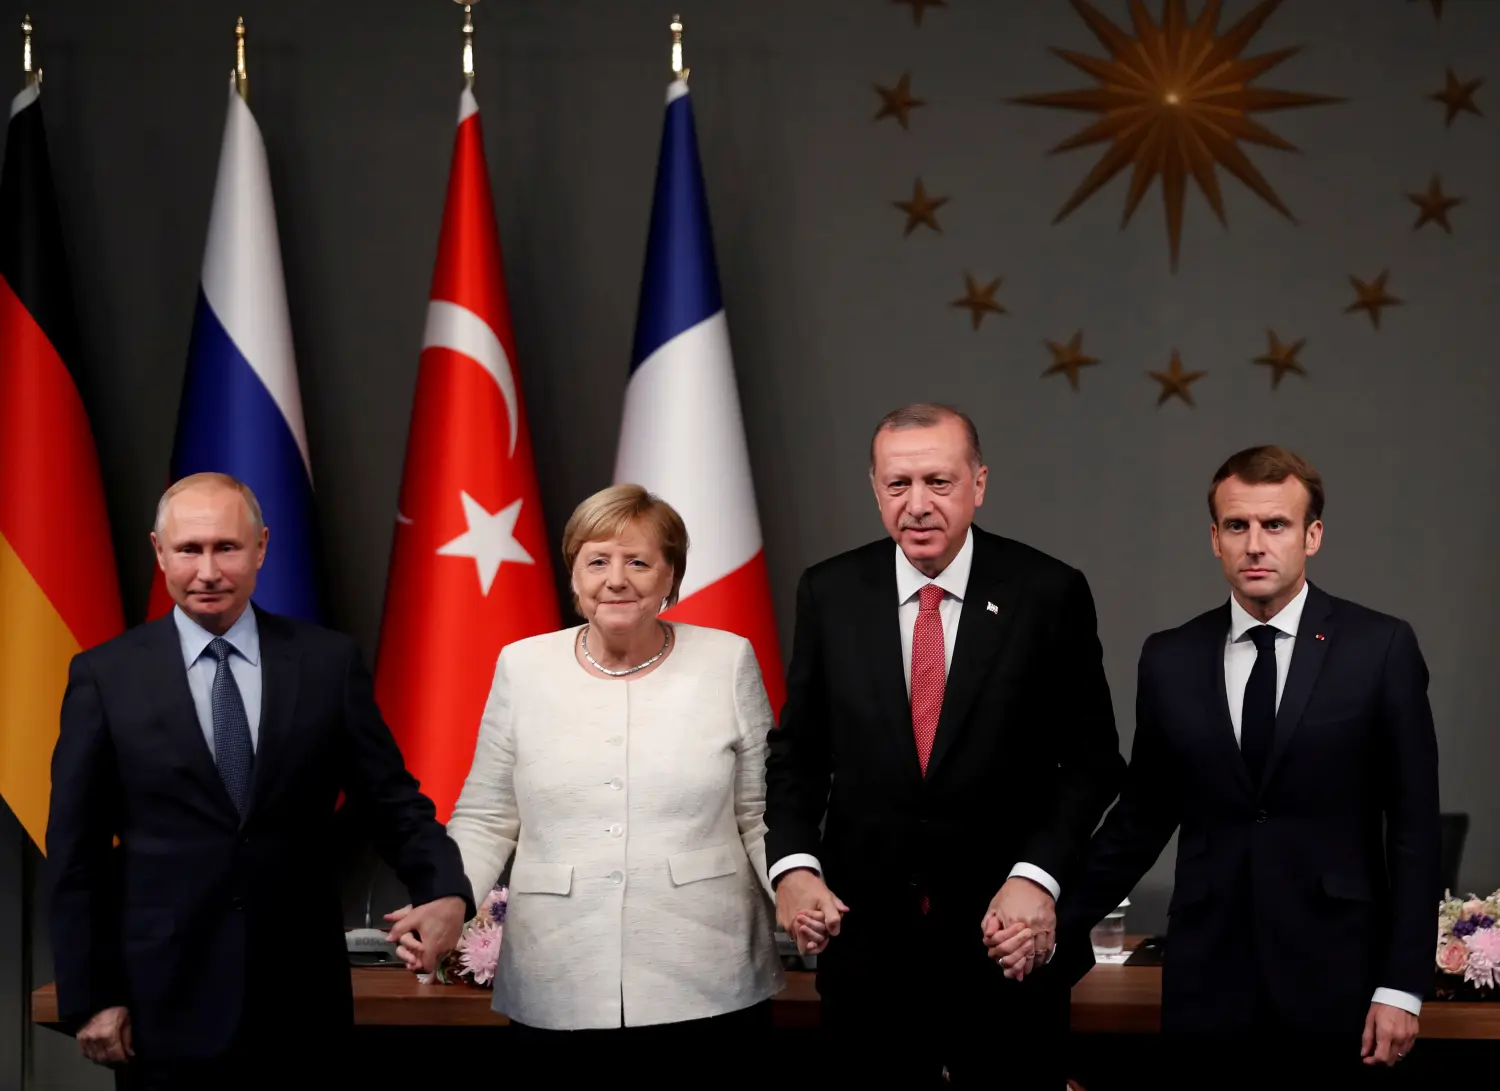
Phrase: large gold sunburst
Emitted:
{"points": [[1175, 101]]}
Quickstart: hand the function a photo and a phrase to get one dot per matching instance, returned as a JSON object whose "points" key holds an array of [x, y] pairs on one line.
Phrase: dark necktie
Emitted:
{"points": [[1258, 716], [232, 749]]}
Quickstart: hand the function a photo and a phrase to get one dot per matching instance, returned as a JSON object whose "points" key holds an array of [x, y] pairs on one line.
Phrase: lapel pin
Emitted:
{"points": [[1319, 636], [992, 608]]}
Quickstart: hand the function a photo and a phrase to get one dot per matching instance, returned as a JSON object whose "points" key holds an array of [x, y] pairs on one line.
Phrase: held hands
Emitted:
{"points": [[807, 910], [1019, 927], [105, 1039], [425, 935], [1389, 1034]]}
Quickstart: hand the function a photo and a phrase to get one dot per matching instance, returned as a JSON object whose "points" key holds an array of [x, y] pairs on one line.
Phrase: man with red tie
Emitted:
{"points": [[946, 749]]}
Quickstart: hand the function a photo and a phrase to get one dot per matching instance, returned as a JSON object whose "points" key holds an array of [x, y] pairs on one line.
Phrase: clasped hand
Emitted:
{"points": [[1019, 927], [425, 935], [808, 911]]}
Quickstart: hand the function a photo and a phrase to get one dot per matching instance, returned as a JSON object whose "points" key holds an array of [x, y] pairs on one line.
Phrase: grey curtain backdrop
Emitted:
{"points": [[835, 315]]}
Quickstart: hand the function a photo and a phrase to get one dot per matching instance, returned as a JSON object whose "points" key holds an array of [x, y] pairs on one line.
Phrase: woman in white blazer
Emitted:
{"points": [[623, 762]]}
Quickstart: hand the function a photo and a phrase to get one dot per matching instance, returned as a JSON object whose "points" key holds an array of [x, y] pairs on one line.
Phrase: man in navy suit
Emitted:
{"points": [[206, 949], [1287, 735]]}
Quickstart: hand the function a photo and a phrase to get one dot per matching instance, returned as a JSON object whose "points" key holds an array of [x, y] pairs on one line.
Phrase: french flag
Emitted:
{"points": [[682, 435], [241, 409]]}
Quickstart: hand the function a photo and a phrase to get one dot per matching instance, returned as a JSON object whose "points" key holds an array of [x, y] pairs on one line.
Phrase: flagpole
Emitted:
{"points": [[679, 71], [468, 41], [241, 76], [32, 76]]}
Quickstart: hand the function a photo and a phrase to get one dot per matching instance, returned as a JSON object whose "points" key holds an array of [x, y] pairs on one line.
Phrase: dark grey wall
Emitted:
{"points": [[835, 317]]}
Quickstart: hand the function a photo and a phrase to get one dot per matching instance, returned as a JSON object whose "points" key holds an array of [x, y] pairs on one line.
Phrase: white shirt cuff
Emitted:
{"points": [[795, 860], [1398, 999], [1038, 876]]}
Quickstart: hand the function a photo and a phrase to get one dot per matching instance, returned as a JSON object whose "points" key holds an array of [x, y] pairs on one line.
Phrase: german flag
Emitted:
{"points": [[59, 590]]}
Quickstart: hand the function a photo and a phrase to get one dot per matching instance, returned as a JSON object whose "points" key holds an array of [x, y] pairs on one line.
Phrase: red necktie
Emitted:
{"points": [[927, 676], [927, 671]]}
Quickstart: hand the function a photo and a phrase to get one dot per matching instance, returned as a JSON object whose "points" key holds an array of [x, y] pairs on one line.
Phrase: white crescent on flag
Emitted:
{"points": [[450, 326]]}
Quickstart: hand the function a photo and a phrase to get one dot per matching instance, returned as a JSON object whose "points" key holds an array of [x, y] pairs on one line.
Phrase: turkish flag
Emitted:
{"points": [[470, 569]]}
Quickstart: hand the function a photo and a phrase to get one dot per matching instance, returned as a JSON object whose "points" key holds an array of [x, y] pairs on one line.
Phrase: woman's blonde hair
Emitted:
{"points": [[609, 511]]}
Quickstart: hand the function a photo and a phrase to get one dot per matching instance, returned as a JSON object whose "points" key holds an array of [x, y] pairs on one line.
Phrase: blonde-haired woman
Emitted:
{"points": [[623, 762]]}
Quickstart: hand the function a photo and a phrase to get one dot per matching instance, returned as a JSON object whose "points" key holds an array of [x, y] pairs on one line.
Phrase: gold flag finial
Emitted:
{"points": [[241, 77], [468, 43], [678, 69], [33, 74]]}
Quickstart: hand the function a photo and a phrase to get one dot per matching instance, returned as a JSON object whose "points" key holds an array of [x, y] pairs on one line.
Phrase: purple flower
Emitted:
{"points": [[1485, 921], [494, 904], [1465, 928]]}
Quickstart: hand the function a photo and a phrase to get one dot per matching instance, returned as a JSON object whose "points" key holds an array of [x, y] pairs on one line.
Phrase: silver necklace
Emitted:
{"points": [[665, 644]]}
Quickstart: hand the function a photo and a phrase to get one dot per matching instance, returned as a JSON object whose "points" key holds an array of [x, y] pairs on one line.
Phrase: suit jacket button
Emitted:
{"points": [[238, 903], [1261, 816]]}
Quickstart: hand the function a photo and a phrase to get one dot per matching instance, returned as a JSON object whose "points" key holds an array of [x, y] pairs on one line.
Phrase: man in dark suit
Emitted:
{"points": [[1287, 734], [948, 715], [206, 948]]}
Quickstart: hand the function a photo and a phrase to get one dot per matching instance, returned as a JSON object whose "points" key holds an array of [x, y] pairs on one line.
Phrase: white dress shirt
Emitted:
{"points": [[954, 580], [1239, 660], [244, 665]]}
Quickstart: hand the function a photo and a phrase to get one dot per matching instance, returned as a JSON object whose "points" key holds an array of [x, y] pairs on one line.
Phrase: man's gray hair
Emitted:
{"points": [[221, 480], [928, 415]]}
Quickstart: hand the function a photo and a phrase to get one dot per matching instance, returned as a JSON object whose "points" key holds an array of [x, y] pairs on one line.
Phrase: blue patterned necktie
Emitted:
{"points": [[233, 752]]}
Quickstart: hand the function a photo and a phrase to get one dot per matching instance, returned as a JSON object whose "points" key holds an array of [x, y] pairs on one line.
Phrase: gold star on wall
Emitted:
{"points": [[1434, 205], [1371, 296], [1457, 96], [1281, 358], [921, 209], [1175, 382], [1067, 359], [979, 298], [919, 7], [1174, 101], [1437, 7], [897, 102]]}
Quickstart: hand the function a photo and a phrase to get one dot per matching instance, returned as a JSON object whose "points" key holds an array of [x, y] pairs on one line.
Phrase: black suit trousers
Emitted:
{"points": [[935, 1010]]}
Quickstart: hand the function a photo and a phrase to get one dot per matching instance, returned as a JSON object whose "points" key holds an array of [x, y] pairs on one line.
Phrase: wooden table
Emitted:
{"points": [[1110, 1000]]}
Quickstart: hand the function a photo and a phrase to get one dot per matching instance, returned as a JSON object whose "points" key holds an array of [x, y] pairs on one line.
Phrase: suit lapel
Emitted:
{"points": [[880, 640], [1314, 633], [1220, 723], [982, 634], [278, 700], [167, 683]]}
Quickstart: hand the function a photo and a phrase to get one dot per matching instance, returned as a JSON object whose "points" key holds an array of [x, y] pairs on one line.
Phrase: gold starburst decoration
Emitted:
{"points": [[1174, 100]]}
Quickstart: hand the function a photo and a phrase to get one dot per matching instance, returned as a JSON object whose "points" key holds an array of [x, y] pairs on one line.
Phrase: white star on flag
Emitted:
{"points": [[490, 539]]}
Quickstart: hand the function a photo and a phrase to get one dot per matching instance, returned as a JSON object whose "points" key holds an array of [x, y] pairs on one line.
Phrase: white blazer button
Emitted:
{"points": [[616, 878], [615, 740], [617, 784], [616, 830]]}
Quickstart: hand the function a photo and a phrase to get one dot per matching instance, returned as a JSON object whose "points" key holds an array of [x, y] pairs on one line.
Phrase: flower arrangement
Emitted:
{"points": [[1468, 947], [478, 953]]}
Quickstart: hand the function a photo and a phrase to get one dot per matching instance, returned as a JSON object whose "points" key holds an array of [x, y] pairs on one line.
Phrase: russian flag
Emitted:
{"points": [[682, 435], [241, 409]]}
